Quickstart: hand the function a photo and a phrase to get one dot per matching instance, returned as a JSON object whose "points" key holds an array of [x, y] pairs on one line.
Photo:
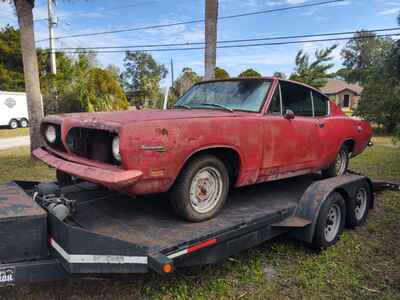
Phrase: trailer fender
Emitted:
{"points": [[315, 196]]}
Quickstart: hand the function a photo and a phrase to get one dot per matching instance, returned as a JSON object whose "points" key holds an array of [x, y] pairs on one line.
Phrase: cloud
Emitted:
{"points": [[390, 12]]}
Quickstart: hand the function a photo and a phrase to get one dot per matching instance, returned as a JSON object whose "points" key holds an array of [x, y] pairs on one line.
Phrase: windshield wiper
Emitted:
{"points": [[182, 106], [217, 105]]}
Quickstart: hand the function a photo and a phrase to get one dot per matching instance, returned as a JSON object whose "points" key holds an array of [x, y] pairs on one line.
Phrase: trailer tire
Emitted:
{"points": [[13, 124], [358, 207], [201, 189], [23, 123], [340, 165], [331, 221]]}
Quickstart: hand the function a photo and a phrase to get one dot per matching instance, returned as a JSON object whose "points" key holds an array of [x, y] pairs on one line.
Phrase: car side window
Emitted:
{"points": [[320, 105], [275, 104], [296, 98]]}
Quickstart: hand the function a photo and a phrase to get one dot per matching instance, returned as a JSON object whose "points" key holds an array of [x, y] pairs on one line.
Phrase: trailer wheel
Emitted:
{"points": [[357, 208], [13, 124], [23, 123], [339, 167], [331, 220], [201, 189]]}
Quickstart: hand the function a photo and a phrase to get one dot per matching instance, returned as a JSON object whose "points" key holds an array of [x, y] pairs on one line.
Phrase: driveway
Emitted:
{"points": [[8, 143]]}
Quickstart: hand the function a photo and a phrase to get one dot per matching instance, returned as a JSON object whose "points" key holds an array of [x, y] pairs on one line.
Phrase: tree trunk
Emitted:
{"points": [[31, 71], [210, 55]]}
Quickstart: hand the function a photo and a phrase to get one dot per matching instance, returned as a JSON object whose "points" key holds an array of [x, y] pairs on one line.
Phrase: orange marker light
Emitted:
{"points": [[167, 268]]}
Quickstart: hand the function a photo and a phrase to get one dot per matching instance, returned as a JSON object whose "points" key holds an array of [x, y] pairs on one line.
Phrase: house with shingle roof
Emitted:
{"points": [[345, 95]]}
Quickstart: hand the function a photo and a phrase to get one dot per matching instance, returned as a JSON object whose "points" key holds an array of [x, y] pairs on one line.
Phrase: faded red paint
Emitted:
{"points": [[156, 144]]}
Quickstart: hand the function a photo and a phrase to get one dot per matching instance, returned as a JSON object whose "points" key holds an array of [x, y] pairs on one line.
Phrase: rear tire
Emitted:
{"points": [[358, 207], [13, 124], [201, 189], [339, 167], [23, 123], [331, 220]]}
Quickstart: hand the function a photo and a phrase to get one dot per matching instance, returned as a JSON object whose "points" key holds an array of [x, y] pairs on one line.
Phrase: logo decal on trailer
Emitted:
{"points": [[10, 102], [7, 276]]}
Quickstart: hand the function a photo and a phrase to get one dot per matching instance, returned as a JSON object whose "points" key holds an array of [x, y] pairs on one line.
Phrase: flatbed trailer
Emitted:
{"points": [[108, 233]]}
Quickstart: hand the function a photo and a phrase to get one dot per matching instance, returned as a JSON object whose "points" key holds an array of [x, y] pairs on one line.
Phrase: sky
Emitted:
{"points": [[79, 16]]}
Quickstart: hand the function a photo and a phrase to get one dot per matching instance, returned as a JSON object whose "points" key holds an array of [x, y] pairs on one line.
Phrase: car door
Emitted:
{"points": [[298, 99], [279, 140]]}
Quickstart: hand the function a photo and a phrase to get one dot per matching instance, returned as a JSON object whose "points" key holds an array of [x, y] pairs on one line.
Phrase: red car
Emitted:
{"points": [[220, 134]]}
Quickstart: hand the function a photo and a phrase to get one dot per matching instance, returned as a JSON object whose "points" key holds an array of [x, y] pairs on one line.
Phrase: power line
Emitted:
{"points": [[197, 21], [231, 41], [238, 46]]}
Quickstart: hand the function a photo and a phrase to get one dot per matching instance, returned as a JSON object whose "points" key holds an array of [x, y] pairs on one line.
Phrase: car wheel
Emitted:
{"points": [[201, 189], [23, 123], [339, 167], [13, 124], [357, 209], [331, 220]]}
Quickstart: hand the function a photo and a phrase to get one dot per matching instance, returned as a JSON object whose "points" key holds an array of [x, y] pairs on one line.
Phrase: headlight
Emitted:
{"points": [[51, 134], [115, 148]]}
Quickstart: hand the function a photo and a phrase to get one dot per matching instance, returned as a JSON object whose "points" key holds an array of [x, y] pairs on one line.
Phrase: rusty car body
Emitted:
{"points": [[286, 129]]}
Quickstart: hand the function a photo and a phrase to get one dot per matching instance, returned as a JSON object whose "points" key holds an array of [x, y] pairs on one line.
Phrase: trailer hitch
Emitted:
{"points": [[49, 196]]}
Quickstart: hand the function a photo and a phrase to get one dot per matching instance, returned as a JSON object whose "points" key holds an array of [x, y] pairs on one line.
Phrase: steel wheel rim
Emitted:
{"points": [[332, 224], [341, 161], [14, 124], [206, 190], [24, 124], [361, 203]]}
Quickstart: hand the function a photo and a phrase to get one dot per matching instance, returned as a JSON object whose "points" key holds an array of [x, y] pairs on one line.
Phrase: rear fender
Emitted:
{"points": [[316, 194]]}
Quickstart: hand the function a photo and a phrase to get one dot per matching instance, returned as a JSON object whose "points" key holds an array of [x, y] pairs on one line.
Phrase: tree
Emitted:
{"points": [[279, 75], [313, 73], [250, 73], [30, 67], [99, 90], [11, 67], [220, 73], [185, 81], [142, 76], [361, 54], [210, 30]]}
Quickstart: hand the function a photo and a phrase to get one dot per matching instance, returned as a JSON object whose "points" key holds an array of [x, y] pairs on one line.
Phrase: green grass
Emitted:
{"points": [[10, 133], [365, 264]]}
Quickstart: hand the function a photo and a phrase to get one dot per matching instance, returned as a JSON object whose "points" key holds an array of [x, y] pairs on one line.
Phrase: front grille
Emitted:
{"points": [[94, 144], [57, 145]]}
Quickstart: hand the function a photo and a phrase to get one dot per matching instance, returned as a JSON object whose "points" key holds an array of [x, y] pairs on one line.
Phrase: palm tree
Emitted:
{"points": [[210, 55], [31, 72]]}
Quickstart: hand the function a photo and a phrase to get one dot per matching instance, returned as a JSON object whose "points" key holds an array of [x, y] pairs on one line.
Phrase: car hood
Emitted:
{"points": [[120, 118]]}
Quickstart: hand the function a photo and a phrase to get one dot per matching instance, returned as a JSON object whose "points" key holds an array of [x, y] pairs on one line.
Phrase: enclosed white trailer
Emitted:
{"points": [[13, 109]]}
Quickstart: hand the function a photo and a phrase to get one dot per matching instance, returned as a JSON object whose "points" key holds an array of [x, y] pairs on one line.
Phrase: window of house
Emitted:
{"points": [[346, 101], [320, 105], [275, 104], [296, 98]]}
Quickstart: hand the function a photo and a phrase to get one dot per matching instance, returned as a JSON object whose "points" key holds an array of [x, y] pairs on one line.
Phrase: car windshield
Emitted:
{"points": [[245, 95]]}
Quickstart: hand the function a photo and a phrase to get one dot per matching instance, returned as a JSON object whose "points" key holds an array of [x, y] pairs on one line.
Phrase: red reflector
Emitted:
{"points": [[201, 245]]}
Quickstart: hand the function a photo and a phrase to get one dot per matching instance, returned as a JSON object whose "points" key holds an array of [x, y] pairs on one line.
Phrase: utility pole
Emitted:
{"points": [[210, 26], [52, 22], [172, 72]]}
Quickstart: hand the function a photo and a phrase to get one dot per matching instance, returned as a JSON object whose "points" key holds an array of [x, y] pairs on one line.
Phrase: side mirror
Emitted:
{"points": [[289, 114]]}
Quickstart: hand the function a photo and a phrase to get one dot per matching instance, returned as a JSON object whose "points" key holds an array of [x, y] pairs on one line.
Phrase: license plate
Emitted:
{"points": [[7, 276]]}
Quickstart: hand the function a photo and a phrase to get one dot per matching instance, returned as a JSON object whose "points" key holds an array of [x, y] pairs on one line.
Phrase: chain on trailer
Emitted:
{"points": [[49, 196]]}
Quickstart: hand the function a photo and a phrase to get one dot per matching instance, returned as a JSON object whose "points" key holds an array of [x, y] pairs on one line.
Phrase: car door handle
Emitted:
{"points": [[320, 124]]}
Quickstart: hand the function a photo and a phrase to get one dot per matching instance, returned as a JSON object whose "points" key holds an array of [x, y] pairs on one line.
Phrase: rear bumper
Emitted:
{"points": [[114, 179]]}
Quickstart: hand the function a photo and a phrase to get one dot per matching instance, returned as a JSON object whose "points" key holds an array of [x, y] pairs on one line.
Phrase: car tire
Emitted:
{"points": [[23, 123], [358, 207], [341, 164], [201, 189], [331, 221], [13, 124]]}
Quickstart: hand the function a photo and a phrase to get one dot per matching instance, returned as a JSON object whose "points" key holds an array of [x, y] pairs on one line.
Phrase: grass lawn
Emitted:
{"points": [[365, 264], [10, 133]]}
